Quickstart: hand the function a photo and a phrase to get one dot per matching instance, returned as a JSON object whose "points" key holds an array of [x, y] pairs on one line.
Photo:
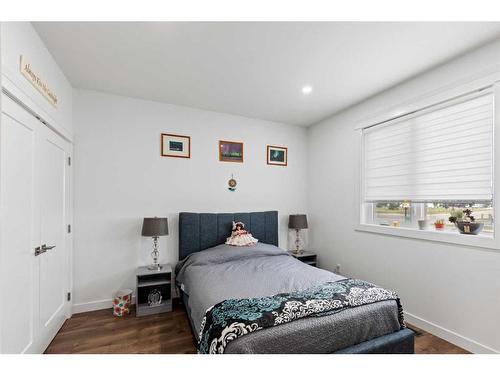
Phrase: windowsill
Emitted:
{"points": [[480, 240]]}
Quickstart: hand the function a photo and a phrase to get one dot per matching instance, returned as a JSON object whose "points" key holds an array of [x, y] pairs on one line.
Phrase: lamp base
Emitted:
{"points": [[155, 267], [155, 254], [297, 249]]}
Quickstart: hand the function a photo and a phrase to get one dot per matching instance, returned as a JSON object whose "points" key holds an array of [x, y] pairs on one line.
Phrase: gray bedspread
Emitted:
{"points": [[213, 275]]}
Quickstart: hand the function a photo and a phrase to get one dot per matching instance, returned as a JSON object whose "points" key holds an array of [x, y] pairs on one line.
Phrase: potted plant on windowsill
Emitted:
{"points": [[466, 223], [439, 224]]}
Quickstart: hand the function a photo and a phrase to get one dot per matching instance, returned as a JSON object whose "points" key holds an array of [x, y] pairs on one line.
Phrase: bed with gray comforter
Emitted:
{"points": [[226, 272]]}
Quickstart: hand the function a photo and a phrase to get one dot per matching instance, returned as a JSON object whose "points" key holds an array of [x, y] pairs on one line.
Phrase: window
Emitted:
{"points": [[431, 165]]}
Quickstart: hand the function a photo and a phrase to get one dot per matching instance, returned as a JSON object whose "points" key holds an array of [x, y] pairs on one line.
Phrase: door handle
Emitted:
{"points": [[42, 249], [39, 250]]}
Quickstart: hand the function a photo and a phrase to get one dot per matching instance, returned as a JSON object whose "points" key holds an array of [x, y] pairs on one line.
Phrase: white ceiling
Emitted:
{"points": [[255, 69]]}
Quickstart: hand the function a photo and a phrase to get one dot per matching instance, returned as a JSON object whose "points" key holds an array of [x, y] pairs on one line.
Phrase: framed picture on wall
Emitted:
{"points": [[231, 151], [176, 146], [277, 155]]}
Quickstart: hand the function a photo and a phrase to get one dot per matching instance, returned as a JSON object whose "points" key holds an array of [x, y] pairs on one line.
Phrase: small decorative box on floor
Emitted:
{"points": [[121, 302]]}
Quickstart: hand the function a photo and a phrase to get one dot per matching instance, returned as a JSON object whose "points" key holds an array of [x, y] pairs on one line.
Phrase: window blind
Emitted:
{"points": [[444, 154]]}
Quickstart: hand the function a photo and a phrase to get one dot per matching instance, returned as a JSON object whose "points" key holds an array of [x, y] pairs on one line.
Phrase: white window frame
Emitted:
{"points": [[491, 242]]}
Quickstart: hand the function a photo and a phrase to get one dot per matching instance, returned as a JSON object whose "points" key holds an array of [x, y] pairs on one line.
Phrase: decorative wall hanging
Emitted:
{"points": [[177, 146], [277, 155], [231, 151], [232, 184], [38, 82]]}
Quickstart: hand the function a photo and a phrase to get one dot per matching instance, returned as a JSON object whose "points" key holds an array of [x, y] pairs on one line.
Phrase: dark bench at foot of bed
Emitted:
{"points": [[401, 342]]}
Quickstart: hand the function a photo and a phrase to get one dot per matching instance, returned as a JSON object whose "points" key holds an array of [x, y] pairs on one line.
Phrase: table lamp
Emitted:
{"points": [[297, 222], [155, 227]]}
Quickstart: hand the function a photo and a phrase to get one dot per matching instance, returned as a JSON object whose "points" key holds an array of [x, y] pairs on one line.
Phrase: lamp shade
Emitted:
{"points": [[155, 226], [297, 222]]}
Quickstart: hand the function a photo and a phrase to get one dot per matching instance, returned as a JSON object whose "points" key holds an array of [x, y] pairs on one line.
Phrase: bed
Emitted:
{"points": [[209, 272]]}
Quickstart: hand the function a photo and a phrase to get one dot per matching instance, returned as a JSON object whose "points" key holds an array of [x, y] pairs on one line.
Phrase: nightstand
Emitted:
{"points": [[150, 287], [306, 257]]}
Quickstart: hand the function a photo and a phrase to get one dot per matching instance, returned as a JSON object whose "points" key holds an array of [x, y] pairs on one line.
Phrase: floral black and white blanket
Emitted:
{"points": [[233, 318]]}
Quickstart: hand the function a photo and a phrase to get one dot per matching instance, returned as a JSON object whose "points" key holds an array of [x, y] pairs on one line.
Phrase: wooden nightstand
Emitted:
{"points": [[155, 283], [306, 257]]}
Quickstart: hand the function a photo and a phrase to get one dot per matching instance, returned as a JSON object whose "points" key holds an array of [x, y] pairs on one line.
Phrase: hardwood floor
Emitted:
{"points": [[100, 332], [425, 343]]}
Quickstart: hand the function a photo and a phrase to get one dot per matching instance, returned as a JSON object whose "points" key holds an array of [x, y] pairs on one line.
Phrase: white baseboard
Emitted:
{"points": [[450, 336], [94, 305]]}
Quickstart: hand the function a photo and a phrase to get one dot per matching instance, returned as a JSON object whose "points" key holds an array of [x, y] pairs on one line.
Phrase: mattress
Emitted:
{"points": [[222, 272]]}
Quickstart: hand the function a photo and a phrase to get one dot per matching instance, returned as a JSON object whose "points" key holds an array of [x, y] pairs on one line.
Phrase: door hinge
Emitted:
{"points": [[69, 161], [69, 228], [69, 296]]}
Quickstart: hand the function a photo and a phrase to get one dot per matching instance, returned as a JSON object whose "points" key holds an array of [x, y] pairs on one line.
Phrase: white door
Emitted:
{"points": [[53, 262], [34, 209], [19, 229]]}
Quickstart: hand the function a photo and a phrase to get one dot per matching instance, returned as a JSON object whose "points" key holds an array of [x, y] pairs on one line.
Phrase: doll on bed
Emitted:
{"points": [[240, 237]]}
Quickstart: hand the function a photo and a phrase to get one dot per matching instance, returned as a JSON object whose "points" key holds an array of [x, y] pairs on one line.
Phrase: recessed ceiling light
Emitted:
{"points": [[306, 90]]}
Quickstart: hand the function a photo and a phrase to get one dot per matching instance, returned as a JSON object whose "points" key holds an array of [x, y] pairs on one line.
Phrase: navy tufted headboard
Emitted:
{"points": [[199, 231]]}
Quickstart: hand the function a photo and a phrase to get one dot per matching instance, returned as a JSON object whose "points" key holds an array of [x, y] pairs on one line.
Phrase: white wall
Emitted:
{"points": [[450, 290], [121, 178], [20, 38]]}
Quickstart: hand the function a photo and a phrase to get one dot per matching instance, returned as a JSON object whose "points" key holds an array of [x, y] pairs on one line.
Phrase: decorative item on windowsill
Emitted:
{"points": [[232, 184], [439, 224], [154, 298], [466, 224], [155, 227], [423, 224], [407, 211], [297, 222]]}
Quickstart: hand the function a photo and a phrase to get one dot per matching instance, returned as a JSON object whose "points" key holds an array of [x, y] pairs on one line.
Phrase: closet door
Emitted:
{"points": [[20, 232], [53, 263], [34, 243]]}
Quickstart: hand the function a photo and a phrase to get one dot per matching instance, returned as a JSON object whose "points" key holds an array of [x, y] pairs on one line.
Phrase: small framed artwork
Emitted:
{"points": [[231, 151], [277, 155], [176, 146]]}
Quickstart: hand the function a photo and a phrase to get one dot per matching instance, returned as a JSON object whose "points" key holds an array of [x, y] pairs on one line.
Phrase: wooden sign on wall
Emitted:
{"points": [[37, 82]]}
